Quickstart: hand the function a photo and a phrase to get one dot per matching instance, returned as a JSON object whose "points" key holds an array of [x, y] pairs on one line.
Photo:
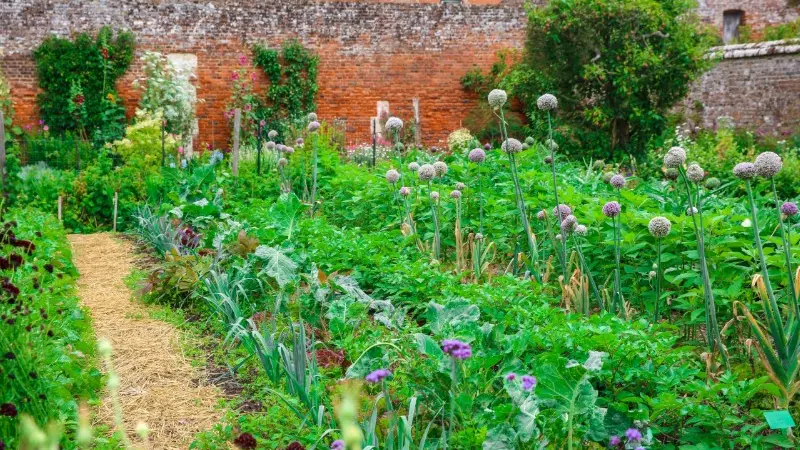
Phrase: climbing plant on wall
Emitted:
{"points": [[6, 106], [292, 75], [78, 81]]}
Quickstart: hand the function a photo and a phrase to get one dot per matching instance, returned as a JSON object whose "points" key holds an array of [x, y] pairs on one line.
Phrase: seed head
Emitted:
{"points": [[405, 191], [551, 144], [547, 102], [394, 124], [512, 145], [617, 181], [675, 157], [562, 211], [272, 134], [581, 230], [691, 211], [392, 176], [695, 173], [477, 155], [768, 164], [541, 215], [568, 224], [659, 226], [271, 145], [529, 140], [283, 162], [312, 117], [288, 150], [548, 159], [455, 194], [440, 167], [413, 166], [313, 126], [744, 170], [497, 98], [713, 183], [461, 186], [435, 196], [612, 209], [426, 172]]}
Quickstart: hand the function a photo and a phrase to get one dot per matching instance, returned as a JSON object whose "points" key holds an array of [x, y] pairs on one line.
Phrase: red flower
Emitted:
{"points": [[105, 53]]}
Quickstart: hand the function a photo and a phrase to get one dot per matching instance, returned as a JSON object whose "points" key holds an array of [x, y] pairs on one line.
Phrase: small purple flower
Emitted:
{"points": [[562, 211], [611, 209], [337, 445], [377, 376], [457, 349], [633, 435], [617, 181], [528, 382], [789, 209], [511, 376], [487, 146], [614, 441]]}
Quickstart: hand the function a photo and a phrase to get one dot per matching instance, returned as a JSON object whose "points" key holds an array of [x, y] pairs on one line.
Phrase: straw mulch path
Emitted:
{"points": [[158, 385]]}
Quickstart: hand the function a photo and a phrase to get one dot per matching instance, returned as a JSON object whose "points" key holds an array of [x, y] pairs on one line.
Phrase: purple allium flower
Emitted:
{"points": [[675, 157], [299, 142], [272, 134], [541, 215], [744, 170], [633, 435], [581, 230], [405, 191], [487, 146], [283, 162], [768, 164], [457, 349], [456, 194], [788, 209], [312, 117], [426, 172], [568, 224], [562, 211], [511, 376], [377, 376], [440, 167], [392, 176], [612, 209], [460, 186], [477, 155], [695, 173], [435, 196], [617, 181], [547, 102], [511, 145], [280, 147], [528, 382], [313, 126], [497, 98], [413, 166], [659, 226], [288, 150], [271, 145], [394, 124], [337, 445], [614, 441]]}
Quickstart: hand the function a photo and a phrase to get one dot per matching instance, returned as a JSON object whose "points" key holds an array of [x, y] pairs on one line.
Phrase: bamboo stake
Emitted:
{"points": [[237, 124], [116, 204], [60, 207]]}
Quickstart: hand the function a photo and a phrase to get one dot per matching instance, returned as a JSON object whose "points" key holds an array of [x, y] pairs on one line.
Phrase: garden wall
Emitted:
{"points": [[757, 86], [370, 51]]}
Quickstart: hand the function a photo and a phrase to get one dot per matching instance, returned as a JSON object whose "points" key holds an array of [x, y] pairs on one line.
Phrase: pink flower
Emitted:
{"points": [[46, 128], [253, 76], [28, 127], [243, 59], [248, 107], [180, 150], [263, 123], [234, 76], [41, 122]]}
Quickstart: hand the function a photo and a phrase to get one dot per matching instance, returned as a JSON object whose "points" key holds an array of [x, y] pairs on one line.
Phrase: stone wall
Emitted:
{"points": [[370, 51], [757, 13], [757, 86]]}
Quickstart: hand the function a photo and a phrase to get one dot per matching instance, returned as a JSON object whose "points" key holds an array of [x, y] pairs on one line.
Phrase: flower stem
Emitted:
{"points": [[588, 273], [787, 252], [658, 279], [617, 300]]}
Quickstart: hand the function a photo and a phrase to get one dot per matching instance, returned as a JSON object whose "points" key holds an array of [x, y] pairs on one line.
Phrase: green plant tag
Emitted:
{"points": [[779, 420]]}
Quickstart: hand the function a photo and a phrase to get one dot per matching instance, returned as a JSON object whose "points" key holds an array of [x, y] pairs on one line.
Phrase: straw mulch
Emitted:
{"points": [[158, 385]]}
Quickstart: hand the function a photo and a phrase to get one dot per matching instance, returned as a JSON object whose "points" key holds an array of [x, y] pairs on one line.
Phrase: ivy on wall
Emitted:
{"points": [[7, 107], [78, 81], [292, 74]]}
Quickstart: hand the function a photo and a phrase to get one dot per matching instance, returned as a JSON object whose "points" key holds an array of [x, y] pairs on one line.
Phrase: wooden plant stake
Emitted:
{"points": [[237, 125]]}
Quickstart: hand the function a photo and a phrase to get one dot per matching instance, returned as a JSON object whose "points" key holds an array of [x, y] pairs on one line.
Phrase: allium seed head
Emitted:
{"points": [[283, 162], [487, 146], [299, 142], [392, 176], [607, 176], [547, 102], [659, 226], [478, 236], [413, 166], [548, 159], [405, 191], [461, 186], [512, 145], [559, 237], [456, 194], [581, 230], [675, 157], [529, 140], [671, 173], [270, 145], [477, 155], [617, 181], [691, 211], [272, 134], [435, 196], [695, 173], [789, 209], [551, 144], [288, 150], [541, 215], [713, 183], [744, 170], [497, 98], [312, 117], [568, 224], [598, 164], [426, 172], [562, 211], [768, 164], [440, 167], [394, 124], [611, 209], [313, 126]]}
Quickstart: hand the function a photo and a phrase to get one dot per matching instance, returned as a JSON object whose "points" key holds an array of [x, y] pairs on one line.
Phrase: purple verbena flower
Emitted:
{"points": [[614, 441], [528, 382], [377, 376], [633, 435], [457, 349], [337, 445], [511, 376]]}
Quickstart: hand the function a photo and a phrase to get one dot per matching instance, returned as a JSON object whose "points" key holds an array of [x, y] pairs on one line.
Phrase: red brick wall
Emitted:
{"points": [[369, 50], [757, 13]]}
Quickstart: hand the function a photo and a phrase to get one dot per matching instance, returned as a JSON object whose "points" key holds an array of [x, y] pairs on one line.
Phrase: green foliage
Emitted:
{"points": [[47, 366], [616, 66], [790, 30], [7, 107], [78, 81], [167, 94], [292, 75]]}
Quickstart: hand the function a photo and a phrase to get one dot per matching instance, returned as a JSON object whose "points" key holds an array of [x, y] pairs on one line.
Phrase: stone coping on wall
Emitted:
{"points": [[755, 49]]}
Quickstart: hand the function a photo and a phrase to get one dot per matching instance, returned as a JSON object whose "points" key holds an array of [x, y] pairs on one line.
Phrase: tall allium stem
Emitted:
{"points": [[658, 279], [787, 252], [617, 300], [713, 336], [478, 253], [436, 239], [775, 321], [313, 174], [563, 255]]}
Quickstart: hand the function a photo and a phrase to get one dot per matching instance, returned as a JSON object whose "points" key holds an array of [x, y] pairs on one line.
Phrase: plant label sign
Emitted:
{"points": [[779, 420]]}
